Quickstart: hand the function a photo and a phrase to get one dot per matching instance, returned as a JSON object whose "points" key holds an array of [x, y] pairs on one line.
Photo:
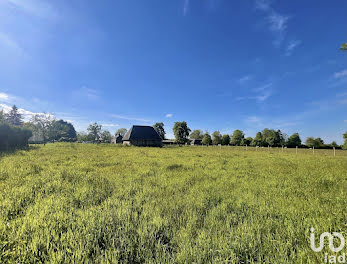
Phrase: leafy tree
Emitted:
{"points": [[121, 131], [196, 134], [344, 146], [270, 137], [334, 144], [42, 124], [82, 136], [94, 131], [181, 132], [207, 140], [216, 138], [12, 137], [62, 131], [225, 139], [159, 127], [280, 138], [14, 117], [237, 137], [258, 140], [246, 141], [343, 46], [294, 141], [314, 142], [106, 136]]}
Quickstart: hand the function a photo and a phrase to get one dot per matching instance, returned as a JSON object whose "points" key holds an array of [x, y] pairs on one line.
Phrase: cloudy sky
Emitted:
{"points": [[217, 64]]}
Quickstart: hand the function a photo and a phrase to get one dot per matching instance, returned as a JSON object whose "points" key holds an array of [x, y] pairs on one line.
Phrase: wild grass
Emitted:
{"points": [[81, 203]]}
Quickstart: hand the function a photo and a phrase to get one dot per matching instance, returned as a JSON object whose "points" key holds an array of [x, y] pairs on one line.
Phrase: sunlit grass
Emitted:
{"points": [[80, 203]]}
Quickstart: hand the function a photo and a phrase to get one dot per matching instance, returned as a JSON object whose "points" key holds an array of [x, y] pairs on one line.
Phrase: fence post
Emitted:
{"points": [[334, 152], [282, 148], [246, 146], [268, 148], [296, 150], [313, 149]]}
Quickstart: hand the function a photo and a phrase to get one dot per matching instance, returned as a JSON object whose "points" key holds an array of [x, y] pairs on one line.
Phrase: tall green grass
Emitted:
{"points": [[79, 203]]}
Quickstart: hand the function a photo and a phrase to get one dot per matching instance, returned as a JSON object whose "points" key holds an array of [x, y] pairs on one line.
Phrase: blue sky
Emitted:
{"points": [[217, 64]]}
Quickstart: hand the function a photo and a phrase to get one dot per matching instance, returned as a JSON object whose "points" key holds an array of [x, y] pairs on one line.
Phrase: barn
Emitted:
{"points": [[142, 136]]}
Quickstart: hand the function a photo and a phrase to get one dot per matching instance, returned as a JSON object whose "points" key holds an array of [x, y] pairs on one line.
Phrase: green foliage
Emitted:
{"points": [[94, 131], [237, 137], [121, 131], [246, 141], [216, 138], [81, 136], [87, 203], [258, 140], [196, 134], [106, 136], [294, 141], [181, 132], [42, 125], [207, 140], [343, 46], [159, 127], [225, 139], [12, 137], [314, 142], [61, 130], [344, 146], [14, 118]]}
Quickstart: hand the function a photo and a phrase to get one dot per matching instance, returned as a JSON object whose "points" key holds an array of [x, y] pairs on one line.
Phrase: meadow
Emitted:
{"points": [[85, 203]]}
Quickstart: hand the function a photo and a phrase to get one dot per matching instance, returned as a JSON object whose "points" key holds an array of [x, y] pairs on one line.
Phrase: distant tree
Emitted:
{"points": [[42, 124], [343, 46], [270, 137], [82, 136], [62, 131], [280, 138], [225, 139], [181, 132], [237, 137], [334, 144], [159, 127], [294, 141], [344, 146], [216, 138], [106, 136], [14, 117], [94, 130], [314, 142], [196, 134], [121, 131], [2, 115], [207, 140], [246, 141], [258, 140]]}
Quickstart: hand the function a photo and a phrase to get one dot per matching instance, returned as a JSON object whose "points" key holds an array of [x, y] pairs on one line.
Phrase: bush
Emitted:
{"points": [[12, 137]]}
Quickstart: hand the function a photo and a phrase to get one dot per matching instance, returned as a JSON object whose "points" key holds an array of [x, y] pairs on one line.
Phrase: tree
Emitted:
{"points": [[225, 139], [121, 131], [42, 125], [62, 131], [246, 141], [216, 138], [14, 117], [270, 137], [258, 140], [196, 134], [237, 137], [280, 137], [334, 144], [2, 116], [106, 136], [94, 131], [159, 127], [314, 142], [344, 146], [294, 141], [82, 136], [343, 46], [181, 132], [207, 140]]}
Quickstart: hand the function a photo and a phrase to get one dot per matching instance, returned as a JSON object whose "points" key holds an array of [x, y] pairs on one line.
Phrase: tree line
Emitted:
{"points": [[43, 128]]}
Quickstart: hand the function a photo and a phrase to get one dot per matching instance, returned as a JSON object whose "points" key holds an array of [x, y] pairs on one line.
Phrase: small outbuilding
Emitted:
{"points": [[196, 142], [142, 136], [118, 139]]}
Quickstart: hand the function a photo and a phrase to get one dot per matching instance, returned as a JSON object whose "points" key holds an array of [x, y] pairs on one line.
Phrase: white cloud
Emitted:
{"points": [[340, 74], [262, 88], [291, 46], [4, 96], [110, 125], [88, 93], [131, 118], [168, 115], [9, 43], [25, 113], [263, 5], [278, 22], [245, 79], [41, 9]]}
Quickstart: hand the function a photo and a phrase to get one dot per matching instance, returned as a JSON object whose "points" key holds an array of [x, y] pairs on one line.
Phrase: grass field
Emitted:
{"points": [[81, 203]]}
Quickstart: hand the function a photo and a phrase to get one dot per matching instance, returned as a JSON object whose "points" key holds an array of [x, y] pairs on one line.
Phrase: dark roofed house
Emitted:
{"points": [[142, 136], [118, 139], [196, 142]]}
